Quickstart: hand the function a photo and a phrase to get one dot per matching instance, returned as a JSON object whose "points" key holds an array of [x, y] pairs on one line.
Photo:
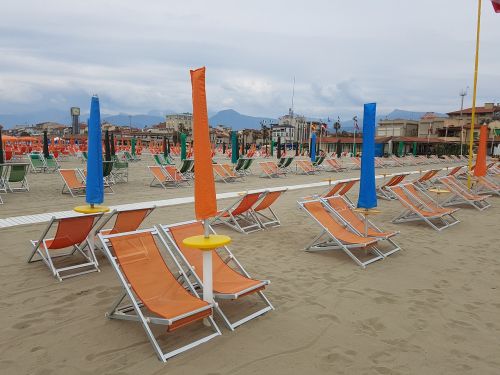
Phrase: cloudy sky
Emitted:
{"points": [[136, 55]]}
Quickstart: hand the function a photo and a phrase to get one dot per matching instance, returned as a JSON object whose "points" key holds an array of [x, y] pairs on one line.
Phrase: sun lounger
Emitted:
{"points": [[15, 177], [335, 235], [239, 215], [120, 170], [418, 209], [51, 163], [306, 167], [223, 174], [359, 224], [335, 165], [125, 220], [271, 170], [157, 294], [229, 283], [339, 188], [460, 195], [263, 211], [383, 190], [72, 233], [175, 175]]}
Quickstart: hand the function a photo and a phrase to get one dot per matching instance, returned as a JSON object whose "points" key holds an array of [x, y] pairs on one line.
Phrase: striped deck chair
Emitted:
{"points": [[418, 209], [271, 170], [159, 294], [426, 179], [239, 215], [230, 280], [361, 225], [74, 182], [383, 191], [263, 211], [460, 195], [486, 186], [335, 235], [72, 233], [161, 178]]}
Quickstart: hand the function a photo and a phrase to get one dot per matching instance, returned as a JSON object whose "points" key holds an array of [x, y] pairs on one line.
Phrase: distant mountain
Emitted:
{"points": [[399, 114], [54, 115], [138, 121], [237, 121]]}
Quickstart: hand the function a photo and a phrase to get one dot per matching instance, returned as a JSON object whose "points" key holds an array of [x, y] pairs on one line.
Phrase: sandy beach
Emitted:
{"points": [[433, 308]]}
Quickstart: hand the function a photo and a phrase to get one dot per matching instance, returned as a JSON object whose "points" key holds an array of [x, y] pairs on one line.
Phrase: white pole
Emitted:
{"points": [[208, 294]]}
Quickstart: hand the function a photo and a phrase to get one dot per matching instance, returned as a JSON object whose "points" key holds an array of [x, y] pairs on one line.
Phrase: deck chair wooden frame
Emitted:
{"points": [[74, 182], [74, 232], [263, 211], [222, 257], [422, 208], [147, 311], [341, 207], [239, 216], [384, 193], [460, 195], [335, 235]]}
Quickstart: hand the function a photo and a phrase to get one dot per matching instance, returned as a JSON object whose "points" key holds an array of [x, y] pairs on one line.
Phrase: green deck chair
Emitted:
{"points": [[37, 163], [16, 174], [51, 163]]}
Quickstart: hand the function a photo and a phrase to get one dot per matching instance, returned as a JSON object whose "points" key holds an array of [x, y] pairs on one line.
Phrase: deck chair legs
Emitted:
{"points": [[245, 224], [266, 221], [437, 223]]}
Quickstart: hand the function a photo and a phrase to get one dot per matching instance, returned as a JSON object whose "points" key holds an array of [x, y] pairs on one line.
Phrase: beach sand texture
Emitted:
{"points": [[433, 308]]}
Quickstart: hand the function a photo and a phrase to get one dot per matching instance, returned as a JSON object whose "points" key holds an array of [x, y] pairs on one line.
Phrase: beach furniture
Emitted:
{"points": [[335, 235], [263, 212], [14, 177], [270, 169], [360, 224], [119, 170], [160, 160], [230, 280], [224, 174], [187, 166], [486, 186], [335, 165], [425, 180], [127, 220], [51, 163], [460, 195], [129, 157], [455, 171], [175, 175], [231, 172], [306, 167], [84, 156], [420, 207], [248, 165], [383, 190], [287, 164], [74, 182], [239, 216], [318, 162], [37, 163], [154, 293], [69, 238], [357, 162], [339, 188], [161, 177]]}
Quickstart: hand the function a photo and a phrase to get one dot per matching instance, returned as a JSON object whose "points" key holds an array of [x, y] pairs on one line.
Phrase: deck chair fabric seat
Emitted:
{"points": [[125, 220], [263, 211], [15, 177], [239, 216], [148, 283], [161, 177], [74, 182], [228, 282], [383, 191], [338, 236], [460, 195], [270, 169], [74, 233]]}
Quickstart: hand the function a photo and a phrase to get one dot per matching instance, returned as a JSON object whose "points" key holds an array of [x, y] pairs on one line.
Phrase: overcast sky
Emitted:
{"points": [[136, 55]]}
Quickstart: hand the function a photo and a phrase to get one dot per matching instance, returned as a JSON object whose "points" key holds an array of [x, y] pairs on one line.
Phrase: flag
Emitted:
{"points": [[496, 5], [356, 126]]}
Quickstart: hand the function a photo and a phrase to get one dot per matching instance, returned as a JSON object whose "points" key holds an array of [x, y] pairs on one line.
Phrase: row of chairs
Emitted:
{"points": [[41, 164], [154, 291]]}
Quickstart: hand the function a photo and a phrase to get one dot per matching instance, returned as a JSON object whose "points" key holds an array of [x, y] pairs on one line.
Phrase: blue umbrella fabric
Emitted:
{"points": [[313, 147], [95, 186], [367, 194]]}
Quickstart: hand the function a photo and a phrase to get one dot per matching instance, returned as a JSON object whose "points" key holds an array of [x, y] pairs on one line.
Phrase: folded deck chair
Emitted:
{"points": [[239, 216], [74, 182], [421, 209], [161, 177], [486, 186], [175, 175], [356, 222], [425, 180], [337, 236], [72, 233], [270, 169], [157, 294], [229, 283], [263, 211], [15, 177], [383, 191], [460, 195]]}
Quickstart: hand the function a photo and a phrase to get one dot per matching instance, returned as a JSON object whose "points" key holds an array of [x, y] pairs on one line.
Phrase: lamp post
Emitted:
{"points": [[462, 93]]}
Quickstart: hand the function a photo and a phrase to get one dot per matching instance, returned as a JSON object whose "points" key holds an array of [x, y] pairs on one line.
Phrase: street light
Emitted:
{"points": [[462, 93]]}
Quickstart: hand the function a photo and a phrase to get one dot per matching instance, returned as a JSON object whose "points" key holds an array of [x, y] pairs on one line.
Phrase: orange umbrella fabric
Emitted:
{"points": [[480, 169], [205, 203]]}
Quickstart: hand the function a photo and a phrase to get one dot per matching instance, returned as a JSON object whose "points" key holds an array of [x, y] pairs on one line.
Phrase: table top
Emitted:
{"points": [[438, 191], [367, 211], [211, 242]]}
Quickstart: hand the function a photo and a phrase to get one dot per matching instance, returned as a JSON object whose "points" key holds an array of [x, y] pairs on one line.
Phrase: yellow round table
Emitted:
{"points": [[88, 209], [438, 192]]}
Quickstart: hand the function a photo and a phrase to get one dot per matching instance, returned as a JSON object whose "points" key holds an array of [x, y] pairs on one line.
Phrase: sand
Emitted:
{"points": [[432, 308]]}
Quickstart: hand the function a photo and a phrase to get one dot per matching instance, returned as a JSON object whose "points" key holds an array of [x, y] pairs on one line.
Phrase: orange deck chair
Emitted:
{"points": [[270, 169], [74, 182], [486, 186], [71, 233], [221, 174], [336, 235], [239, 215], [425, 180], [355, 221], [417, 209], [383, 191], [263, 211], [158, 295], [306, 167], [335, 165], [175, 175], [229, 283], [460, 195], [340, 188], [161, 177]]}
